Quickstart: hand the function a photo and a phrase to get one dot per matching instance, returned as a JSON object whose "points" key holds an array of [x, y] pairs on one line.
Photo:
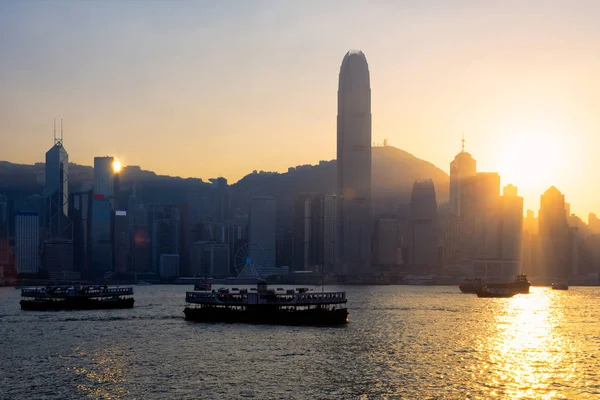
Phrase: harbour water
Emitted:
{"points": [[401, 342]]}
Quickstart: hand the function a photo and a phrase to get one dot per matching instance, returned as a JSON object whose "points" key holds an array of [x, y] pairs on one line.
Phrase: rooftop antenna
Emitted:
{"points": [[54, 131], [61, 131], [463, 142]]}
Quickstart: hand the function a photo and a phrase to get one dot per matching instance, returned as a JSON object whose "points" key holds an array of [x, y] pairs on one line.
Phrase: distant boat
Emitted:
{"points": [[560, 286], [519, 285], [471, 285]]}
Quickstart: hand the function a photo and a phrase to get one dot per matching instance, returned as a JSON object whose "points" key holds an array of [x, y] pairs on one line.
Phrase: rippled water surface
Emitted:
{"points": [[401, 342]]}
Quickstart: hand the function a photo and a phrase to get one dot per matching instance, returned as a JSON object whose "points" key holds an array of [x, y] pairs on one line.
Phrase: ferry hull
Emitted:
{"points": [[315, 317], [76, 304]]}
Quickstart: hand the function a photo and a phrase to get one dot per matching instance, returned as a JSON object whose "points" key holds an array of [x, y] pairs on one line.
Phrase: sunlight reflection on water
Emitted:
{"points": [[401, 342], [528, 354]]}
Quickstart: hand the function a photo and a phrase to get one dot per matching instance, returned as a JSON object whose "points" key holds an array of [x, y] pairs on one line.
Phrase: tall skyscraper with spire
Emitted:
{"points": [[463, 166], [354, 165], [56, 190]]}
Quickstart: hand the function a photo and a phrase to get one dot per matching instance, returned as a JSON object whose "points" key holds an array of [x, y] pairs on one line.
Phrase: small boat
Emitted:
{"points": [[471, 285], [519, 285], [267, 306], [560, 286], [76, 297], [495, 292]]}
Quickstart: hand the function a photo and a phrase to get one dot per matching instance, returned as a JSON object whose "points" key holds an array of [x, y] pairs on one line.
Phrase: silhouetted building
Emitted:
{"points": [[57, 258], [354, 165], [165, 232], [210, 259], [56, 192], [555, 235], [330, 232], [141, 251], [262, 231], [121, 240], [423, 226], [104, 177], [168, 267], [221, 201], [27, 242], [386, 241], [80, 213], [463, 166], [308, 232], [511, 231], [101, 257], [3, 230], [594, 223], [530, 245]]}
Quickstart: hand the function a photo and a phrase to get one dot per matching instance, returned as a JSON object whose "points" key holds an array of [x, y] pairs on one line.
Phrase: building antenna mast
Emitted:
{"points": [[463, 142]]}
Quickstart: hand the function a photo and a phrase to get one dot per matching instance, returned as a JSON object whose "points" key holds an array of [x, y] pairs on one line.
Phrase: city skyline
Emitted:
{"points": [[505, 98]]}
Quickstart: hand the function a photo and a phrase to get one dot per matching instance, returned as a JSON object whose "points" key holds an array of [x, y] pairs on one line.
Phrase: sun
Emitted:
{"points": [[116, 166], [531, 160]]}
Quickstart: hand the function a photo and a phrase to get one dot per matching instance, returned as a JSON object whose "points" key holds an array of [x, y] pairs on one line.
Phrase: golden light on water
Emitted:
{"points": [[529, 354]]}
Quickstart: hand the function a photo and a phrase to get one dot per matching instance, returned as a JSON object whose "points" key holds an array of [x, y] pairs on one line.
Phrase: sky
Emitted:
{"points": [[221, 88]]}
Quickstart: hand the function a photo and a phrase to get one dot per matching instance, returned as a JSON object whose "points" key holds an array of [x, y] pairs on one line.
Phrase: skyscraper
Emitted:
{"points": [[354, 165], [104, 177], [511, 238], [56, 191], [463, 166], [102, 207], [3, 230], [554, 235], [27, 242], [423, 226], [262, 232]]}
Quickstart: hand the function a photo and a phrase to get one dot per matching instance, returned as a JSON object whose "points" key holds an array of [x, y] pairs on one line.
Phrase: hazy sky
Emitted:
{"points": [[207, 88]]}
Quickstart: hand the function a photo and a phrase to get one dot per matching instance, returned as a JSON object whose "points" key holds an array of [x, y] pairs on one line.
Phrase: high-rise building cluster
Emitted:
{"points": [[116, 226]]}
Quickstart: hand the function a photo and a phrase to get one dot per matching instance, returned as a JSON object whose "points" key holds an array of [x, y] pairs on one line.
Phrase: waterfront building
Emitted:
{"points": [[554, 235], [262, 231], [101, 258], [168, 266], [80, 213], [3, 230], [511, 237], [422, 236], [27, 242], [463, 166], [386, 241], [104, 177], [56, 191], [165, 236], [354, 216]]}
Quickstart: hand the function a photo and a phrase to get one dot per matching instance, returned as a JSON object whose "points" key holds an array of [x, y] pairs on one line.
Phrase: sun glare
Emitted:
{"points": [[116, 166], [531, 160]]}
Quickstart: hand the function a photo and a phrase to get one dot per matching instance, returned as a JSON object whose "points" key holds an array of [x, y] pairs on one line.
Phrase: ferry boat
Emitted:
{"points": [[262, 305], [487, 291], [519, 285], [471, 285], [560, 286], [76, 297]]}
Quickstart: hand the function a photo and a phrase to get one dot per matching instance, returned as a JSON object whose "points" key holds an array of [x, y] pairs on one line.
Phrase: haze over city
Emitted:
{"points": [[201, 89]]}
